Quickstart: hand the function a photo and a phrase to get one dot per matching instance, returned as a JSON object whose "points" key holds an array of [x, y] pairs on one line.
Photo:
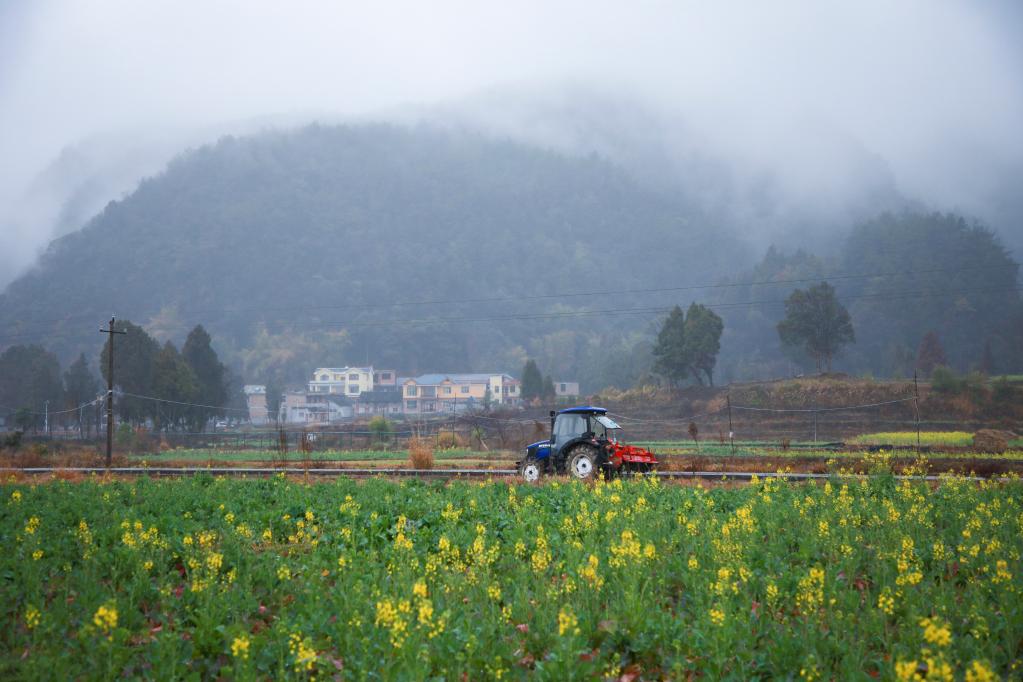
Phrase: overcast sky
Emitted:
{"points": [[934, 88]]}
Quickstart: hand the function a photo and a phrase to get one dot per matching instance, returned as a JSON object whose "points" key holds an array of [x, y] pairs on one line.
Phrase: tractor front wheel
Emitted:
{"points": [[530, 470], [582, 463]]}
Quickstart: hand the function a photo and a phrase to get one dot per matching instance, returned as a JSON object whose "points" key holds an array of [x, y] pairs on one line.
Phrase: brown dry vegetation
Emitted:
{"points": [[420, 453]]}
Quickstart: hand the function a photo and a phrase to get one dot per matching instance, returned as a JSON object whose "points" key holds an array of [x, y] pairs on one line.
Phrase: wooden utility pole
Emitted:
{"points": [[916, 408], [110, 390]]}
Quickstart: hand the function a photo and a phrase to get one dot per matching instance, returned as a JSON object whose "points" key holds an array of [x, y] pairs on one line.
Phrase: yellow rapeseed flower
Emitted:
{"points": [[717, 616], [907, 670], [567, 622], [32, 616], [936, 631], [980, 672], [105, 617], [240, 647]]}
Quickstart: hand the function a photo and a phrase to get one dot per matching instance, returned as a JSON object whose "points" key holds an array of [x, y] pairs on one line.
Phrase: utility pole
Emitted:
{"points": [[916, 408], [110, 390], [46, 418]]}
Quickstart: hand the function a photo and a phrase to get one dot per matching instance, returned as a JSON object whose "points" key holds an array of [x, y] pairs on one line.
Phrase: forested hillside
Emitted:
{"points": [[425, 250], [297, 248]]}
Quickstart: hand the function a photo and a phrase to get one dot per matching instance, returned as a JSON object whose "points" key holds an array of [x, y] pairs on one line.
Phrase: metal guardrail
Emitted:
{"points": [[243, 472]]}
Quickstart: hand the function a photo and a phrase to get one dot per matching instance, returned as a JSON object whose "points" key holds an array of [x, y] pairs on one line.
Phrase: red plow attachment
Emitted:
{"points": [[631, 458]]}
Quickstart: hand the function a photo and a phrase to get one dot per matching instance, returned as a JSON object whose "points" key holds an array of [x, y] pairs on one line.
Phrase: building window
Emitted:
{"points": [[353, 377], [564, 389], [465, 389], [385, 376], [411, 390], [353, 390], [447, 390], [411, 404], [429, 391], [324, 377]]}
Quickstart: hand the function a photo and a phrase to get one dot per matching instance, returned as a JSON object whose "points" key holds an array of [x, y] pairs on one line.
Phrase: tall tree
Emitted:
{"points": [[134, 355], [816, 322], [29, 378], [211, 377], [702, 341], [670, 359], [930, 354], [80, 387], [174, 382], [532, 381]]}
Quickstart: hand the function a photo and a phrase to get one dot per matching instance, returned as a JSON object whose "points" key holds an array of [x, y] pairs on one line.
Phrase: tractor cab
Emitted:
{"points": [[583, 441], [568, 427]]}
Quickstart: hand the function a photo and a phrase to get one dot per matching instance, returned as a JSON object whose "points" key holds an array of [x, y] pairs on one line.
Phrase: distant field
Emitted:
{"points": [[939, 438]]}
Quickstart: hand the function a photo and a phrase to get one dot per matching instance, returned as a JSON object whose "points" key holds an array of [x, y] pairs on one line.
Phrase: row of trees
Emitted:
{"points": [[688, 343], [32, 387], [193, 385]]}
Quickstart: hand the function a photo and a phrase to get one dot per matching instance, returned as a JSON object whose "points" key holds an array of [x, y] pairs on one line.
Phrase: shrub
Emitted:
{"points": [[447, 440], [420, 453], [945, 381], [381, 429], [12, 440]]}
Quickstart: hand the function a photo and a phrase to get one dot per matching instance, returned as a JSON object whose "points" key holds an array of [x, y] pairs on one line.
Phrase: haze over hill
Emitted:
{"points": [[790, 118], [424, 248], [505, 153], [330, 227]]}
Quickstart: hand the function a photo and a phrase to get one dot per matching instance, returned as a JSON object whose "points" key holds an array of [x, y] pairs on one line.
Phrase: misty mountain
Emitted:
{"points": [[275, 239]]}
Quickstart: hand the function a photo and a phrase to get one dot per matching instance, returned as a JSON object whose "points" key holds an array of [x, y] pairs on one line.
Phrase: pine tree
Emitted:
{"points": [[133, 371], [532, 381], [210, 375], [174, 382]]}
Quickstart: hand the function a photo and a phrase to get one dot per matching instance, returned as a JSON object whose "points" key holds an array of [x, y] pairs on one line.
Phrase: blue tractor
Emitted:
{"points": [[584, 441]]}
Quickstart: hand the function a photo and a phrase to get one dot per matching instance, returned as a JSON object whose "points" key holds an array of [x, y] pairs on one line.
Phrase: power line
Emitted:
{"points": [[822, 409], [887, 295], [179, 402]]}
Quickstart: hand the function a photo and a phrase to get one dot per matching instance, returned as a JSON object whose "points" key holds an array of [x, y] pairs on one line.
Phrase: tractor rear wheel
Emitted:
{"points": [[530, 470], [582, 462]]}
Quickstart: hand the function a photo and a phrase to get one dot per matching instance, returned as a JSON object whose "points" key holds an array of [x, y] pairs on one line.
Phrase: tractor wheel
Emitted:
{"points": [[530, 470], [582, 462]]}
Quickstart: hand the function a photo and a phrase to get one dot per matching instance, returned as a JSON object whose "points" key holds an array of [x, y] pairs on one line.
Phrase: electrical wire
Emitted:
{"points": [[178, 402], [822, 409]]}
